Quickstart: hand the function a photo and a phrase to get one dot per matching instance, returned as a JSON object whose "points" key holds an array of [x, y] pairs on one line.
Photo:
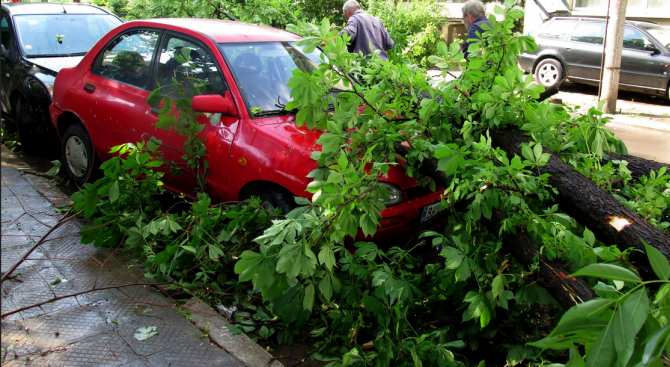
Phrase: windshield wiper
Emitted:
{"points": [[276, 113]]}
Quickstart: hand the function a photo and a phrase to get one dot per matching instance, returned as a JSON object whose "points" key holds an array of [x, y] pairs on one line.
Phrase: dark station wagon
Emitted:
{"points": [[573, 47], [38, 40]]}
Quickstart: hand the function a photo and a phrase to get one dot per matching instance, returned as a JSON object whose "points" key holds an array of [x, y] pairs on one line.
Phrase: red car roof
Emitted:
{"points": [[223, 31]]}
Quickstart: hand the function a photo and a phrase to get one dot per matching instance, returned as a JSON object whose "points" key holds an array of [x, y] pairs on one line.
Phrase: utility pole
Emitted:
{"points": [[613, 48]]}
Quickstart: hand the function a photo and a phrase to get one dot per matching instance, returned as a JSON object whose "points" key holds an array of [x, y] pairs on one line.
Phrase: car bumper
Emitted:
{"points": [[54, 114], [408, 213]]}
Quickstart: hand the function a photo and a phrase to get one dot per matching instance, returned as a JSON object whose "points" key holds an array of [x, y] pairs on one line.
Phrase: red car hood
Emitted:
{"points": [[304, 140]]}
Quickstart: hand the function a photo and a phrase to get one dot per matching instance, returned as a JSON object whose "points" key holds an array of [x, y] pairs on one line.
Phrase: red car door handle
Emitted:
{"points": [[89, 87]]}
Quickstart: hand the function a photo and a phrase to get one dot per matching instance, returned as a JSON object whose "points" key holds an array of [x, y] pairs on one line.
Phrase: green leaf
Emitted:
{"points": [[326, 287], [330, 142], [308, 301], [455, 344], [589, 237], [637, 307], [594, 307], [247, 265], [342, 161], [608, 271], [114, 192], [659, 263], [603, 352], [655, 345], [161, 258], [624, 336], [576, 359], [576, 324], [498, 286], [449, 164], [155, 98], [454, 257]]}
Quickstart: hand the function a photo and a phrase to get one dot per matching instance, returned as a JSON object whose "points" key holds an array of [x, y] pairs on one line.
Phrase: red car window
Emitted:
{"points": [[188, 63], [128, 58]]}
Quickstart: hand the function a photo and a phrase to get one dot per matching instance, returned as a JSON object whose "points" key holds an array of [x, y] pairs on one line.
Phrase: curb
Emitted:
{"points": [[240, 347]]}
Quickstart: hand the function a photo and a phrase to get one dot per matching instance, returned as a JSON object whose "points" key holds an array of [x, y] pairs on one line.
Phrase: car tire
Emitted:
{"points": [[78, 155], [549, 73], [31, 140], [274, 197]]}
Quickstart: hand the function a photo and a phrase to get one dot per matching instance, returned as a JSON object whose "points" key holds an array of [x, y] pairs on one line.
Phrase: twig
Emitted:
{"points": [[221, 11], [78, 294], [41, 240]]}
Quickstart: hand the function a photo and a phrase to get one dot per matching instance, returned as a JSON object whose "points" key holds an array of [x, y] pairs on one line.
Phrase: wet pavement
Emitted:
{"points": [[93, 329], [643, 142], [642, 121]]}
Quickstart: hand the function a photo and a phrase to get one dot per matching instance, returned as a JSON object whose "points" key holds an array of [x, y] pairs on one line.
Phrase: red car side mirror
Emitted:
{"points": [[214, 103]]}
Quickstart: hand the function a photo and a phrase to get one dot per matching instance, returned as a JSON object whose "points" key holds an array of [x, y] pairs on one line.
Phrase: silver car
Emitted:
{"points": [[573, 47]]}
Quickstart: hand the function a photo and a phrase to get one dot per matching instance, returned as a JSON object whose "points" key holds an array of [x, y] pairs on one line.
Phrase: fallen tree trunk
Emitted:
{"points": [[568, 291], [552, 276], [638, 166], [610, 220]]}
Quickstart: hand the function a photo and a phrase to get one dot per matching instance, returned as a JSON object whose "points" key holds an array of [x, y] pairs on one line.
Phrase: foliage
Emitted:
{"points": [[650, 198], [300, 276], [10, 137], [625, 327], [416, 33], [275, 13]]}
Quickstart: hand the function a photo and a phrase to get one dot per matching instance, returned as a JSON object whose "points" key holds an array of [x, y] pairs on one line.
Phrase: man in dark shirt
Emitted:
{"points": [[473, 16], [367, 32]]}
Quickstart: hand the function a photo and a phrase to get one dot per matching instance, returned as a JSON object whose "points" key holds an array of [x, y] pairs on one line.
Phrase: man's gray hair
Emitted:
{"points": [[474, 8], [351, 5]]}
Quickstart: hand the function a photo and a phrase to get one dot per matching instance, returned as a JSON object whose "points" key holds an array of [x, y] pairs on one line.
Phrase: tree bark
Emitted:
{"points": [[593, 207], [639, 166], [568, 291], [552, 276]]}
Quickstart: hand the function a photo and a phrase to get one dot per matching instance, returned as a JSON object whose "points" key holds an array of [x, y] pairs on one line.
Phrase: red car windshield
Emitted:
{"points": [[263, 69], [63, 34]]}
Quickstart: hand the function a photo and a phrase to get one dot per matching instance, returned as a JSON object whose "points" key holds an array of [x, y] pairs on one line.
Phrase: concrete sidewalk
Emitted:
{"points": [[97, 328]]}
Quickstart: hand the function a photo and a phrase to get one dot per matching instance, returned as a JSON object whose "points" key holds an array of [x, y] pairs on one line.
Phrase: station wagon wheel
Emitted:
{"points": [[549, 73], [30, 138], [78, 154]]}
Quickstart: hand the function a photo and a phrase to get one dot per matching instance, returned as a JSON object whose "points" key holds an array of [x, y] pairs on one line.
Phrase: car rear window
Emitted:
{"points": [[555, 30], [62, 34]]}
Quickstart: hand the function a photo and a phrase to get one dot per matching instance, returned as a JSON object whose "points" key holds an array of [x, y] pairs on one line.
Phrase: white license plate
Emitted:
{"points": [[429, 211]]}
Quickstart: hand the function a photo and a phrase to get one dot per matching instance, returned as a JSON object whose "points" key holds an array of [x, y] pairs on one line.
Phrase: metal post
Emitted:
{"points": [[613, 48]]}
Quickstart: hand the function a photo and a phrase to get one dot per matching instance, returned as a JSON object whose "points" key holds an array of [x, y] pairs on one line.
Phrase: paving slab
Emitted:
{"points": [[93, 329]]}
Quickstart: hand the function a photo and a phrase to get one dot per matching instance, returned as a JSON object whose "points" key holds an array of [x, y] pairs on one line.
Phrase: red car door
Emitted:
{"points": [[187, 61], [115, 91]]}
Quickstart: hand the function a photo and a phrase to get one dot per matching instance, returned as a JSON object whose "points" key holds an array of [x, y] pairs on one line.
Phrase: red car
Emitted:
{"points": [[102, 102]]}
